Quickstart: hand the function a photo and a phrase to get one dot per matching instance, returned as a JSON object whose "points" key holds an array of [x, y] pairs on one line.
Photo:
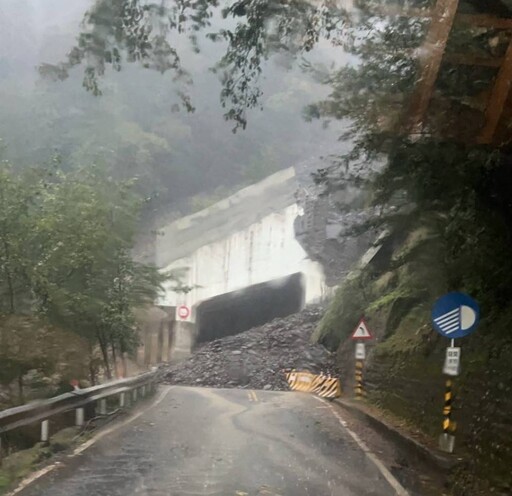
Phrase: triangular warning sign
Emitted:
{"points": [[361, 331]]}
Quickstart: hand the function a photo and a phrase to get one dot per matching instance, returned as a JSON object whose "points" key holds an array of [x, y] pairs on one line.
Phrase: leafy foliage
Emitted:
{"points": [[27, 343], [15, 207], [131, 31], [66, 255], [442, 171], [465, 188], [135, 129], [134, 31], [264, 28]]}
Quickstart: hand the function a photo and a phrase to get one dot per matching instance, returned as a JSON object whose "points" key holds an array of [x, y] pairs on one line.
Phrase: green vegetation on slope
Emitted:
{"points": [[65, 261], [403, 374]]}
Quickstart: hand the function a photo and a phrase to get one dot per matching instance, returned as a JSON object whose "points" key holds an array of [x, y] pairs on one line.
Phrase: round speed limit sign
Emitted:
{"points": [[183, 312]]}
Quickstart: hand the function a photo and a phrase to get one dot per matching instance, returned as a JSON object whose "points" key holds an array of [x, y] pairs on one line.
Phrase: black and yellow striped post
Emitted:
{"points": [[447, 408], [359, 385], [447, 439]]}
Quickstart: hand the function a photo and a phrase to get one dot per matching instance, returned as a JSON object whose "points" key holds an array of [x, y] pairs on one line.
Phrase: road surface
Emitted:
{"points": [[225, 442]]}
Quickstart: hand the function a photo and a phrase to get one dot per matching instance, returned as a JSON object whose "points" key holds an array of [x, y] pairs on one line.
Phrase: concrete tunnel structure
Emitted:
{"points": [[242, 261]]}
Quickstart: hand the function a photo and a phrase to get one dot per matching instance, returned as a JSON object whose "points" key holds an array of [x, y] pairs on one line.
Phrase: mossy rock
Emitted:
{"points": [[413, 240], [20, 464], [410, 334], [63, 439], [342, 315], [387, 300], [5, 482], [386, 282]]}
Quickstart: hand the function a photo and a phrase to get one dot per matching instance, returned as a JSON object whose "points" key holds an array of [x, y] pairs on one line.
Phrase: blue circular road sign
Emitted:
{"points": [[455, 315]]}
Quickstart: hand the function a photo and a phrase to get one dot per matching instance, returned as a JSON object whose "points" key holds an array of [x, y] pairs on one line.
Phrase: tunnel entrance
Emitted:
{"points": [[235, 312]]}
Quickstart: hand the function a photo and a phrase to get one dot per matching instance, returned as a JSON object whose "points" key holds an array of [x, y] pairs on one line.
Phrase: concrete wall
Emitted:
{"points": [[244, 240], [156, 335], [247, 239]]}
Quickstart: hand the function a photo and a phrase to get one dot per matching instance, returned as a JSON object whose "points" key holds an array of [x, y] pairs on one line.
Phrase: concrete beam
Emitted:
{"points": [[433, 48], [185, 334], [498, 98], [235, 213]]}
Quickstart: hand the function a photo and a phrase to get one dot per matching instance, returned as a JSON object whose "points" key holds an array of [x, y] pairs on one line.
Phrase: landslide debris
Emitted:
{"points": [[256, 358]]}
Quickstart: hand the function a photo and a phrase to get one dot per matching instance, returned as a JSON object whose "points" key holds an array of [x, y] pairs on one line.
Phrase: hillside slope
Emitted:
{"points": [[395, 292]]}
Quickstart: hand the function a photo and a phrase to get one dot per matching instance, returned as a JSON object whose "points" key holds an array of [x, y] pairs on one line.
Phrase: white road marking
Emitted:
{"points": [[80, 449], [106, 432], [399, 489], [32, 477]]}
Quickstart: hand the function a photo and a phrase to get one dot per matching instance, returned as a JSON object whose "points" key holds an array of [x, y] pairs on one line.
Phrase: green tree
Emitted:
{"points": [[17, 198], [27, 343], [84, 278], [133, 285], [65, 242]]}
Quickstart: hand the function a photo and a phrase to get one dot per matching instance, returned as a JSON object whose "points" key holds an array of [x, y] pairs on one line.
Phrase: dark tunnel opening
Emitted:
{"points": [[235, 312]]}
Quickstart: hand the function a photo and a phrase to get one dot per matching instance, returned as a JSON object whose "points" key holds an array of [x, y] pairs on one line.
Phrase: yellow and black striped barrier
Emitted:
{"points": [[324, 386], [300, 381], [327, 387]]}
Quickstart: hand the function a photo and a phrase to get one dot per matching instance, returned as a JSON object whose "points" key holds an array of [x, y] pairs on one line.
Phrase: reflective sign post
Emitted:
{"points": [[455, 315], [360, 333]]}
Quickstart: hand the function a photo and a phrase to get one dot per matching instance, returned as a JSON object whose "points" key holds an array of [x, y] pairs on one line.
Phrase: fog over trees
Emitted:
{"points": [[138, 127]]}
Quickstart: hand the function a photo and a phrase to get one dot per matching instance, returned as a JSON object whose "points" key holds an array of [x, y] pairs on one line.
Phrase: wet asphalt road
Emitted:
{"points": [[222, 442]]}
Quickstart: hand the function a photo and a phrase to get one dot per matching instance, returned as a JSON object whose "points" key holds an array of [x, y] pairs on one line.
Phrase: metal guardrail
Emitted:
{"points": [[128, 391]]}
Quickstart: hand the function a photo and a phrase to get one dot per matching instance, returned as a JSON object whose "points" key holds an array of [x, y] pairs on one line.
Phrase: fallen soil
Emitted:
{"points": [[258, 357]]}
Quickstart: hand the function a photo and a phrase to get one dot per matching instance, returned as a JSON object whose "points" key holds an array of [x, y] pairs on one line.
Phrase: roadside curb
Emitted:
{"points": [[435, 459]]}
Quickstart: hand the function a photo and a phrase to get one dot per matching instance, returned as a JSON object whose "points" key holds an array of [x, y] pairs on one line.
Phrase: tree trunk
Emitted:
{"points": [[92, 369], [124, 355], [114, 359], [104, 353], [21, 396], [92, 372], [10, 290], [124, 364], [8, 278]]}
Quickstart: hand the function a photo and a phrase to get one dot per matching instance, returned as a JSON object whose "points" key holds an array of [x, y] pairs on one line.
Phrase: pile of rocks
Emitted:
{"points": [[257, 358]]}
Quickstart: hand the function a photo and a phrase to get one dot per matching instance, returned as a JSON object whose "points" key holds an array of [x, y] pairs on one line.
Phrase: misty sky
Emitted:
{"points": [[132, 128]]}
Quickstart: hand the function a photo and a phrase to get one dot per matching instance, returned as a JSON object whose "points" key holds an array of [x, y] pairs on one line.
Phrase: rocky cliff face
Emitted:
{"points": [[329, 230]]}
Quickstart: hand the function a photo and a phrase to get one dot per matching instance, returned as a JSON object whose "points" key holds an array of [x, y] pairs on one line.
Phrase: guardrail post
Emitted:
{"points": [[79, 417], [45, 431], [82, 404]]}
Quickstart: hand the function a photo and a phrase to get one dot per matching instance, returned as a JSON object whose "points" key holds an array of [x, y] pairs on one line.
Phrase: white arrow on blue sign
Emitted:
{"points": [[455, 315]]}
